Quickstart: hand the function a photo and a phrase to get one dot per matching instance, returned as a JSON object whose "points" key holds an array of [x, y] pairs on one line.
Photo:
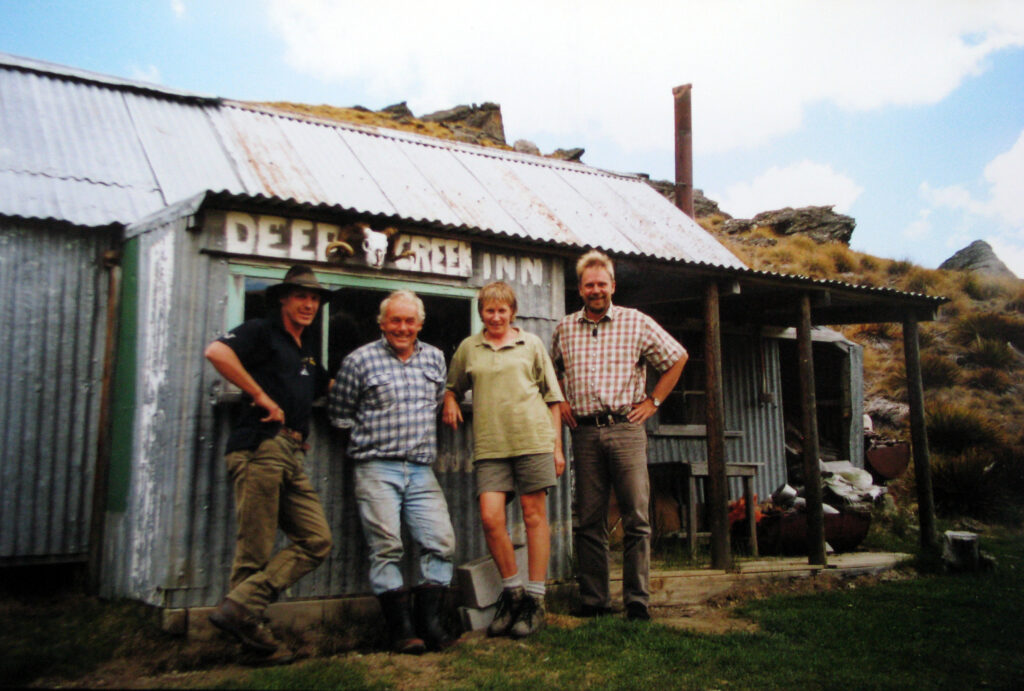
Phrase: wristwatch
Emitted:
{"points": [[656, 401]]}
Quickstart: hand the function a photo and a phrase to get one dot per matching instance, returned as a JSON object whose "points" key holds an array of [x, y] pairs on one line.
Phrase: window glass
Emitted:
{"points": [[685, 405]]}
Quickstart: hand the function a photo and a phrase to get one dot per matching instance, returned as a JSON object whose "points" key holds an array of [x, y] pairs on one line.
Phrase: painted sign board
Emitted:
{"points": [[299, 239]]}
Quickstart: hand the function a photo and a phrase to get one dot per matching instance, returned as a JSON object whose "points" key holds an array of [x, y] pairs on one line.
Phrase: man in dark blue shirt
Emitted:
{"points": [[276, 363]]}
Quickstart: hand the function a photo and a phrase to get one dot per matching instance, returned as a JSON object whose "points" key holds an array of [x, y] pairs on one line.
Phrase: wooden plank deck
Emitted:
{"points": [[694, 586]]}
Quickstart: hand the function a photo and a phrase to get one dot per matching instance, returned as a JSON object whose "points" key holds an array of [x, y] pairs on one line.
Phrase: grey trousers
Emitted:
{"points": [[608, 459]]}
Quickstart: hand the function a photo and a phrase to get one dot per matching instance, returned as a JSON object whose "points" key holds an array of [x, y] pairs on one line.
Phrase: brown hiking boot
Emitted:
{"points": [[507, 611], [251, 632], [532, 617]]}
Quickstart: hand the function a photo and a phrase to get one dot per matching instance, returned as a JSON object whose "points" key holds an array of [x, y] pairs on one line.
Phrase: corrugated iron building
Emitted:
{"points": [[206, 201]]}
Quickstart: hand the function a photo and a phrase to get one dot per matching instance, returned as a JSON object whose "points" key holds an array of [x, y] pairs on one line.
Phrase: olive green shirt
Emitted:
{"points": [[512, 389]]}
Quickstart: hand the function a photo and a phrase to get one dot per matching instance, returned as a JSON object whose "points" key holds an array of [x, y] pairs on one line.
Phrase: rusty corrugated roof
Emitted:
{"points": [[94, 150]]}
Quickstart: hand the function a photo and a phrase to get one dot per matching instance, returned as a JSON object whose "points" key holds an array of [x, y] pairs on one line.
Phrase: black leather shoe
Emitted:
{"points": [[588, 611], [637, 611]]}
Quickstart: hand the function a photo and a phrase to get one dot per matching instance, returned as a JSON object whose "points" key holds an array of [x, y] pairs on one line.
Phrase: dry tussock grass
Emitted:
{"points": [[965, 360]]}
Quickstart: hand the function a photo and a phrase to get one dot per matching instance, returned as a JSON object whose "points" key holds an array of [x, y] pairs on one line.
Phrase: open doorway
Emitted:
{"points": [[833, 398], [353, 322]]}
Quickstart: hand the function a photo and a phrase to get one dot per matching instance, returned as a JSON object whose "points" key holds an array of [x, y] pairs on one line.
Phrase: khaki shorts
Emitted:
{"points": [[523, 474]]}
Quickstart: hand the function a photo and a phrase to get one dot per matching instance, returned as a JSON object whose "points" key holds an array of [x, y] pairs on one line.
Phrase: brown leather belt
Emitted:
{"points": [[601, 420], [294, 435]]}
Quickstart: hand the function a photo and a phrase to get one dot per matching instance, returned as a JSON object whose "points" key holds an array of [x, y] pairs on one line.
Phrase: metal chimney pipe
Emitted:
{"points": [[684, 150]]}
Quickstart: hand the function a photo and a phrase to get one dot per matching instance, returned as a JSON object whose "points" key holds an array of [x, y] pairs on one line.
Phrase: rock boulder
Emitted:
{"points": [[978, 256]]}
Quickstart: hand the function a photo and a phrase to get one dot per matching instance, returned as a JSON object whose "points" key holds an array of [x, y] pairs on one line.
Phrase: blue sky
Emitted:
{"points": [[906, 115]]}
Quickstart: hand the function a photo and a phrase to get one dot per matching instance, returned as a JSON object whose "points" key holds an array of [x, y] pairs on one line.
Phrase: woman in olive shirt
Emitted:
{"points": [[517, 447]]}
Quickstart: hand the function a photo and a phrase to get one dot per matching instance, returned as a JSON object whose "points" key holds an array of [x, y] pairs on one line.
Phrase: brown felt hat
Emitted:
{"points": [[299, 276]]}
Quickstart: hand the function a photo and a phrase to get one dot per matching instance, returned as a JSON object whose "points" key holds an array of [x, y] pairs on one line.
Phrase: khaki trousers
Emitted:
{"points": [[272, 491], [612, 458]]}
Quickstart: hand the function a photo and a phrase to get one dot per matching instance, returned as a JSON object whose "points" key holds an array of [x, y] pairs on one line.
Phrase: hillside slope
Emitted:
{"points": [[972, 362]]}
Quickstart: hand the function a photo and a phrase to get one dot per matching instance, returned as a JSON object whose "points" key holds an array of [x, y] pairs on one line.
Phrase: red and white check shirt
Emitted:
{"points": [[602, 365]]}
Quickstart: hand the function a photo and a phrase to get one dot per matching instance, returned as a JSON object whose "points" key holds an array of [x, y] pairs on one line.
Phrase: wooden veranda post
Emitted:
{"points": [[718, 489], [919, 435], [812, 471]]}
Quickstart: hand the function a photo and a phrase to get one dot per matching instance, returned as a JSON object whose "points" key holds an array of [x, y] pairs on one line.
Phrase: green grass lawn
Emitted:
{"points": [[935, 631]]}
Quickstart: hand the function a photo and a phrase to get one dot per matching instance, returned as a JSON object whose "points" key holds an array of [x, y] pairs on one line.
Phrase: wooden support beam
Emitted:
{"points": [[812, 469], [718, 488], [919, 436]]}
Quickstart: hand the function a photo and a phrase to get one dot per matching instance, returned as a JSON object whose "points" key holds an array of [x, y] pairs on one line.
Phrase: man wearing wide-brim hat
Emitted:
{"points": [[275, 361]]}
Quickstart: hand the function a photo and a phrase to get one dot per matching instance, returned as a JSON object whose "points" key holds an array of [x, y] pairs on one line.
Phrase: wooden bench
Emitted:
{"points": [[692, 471]]}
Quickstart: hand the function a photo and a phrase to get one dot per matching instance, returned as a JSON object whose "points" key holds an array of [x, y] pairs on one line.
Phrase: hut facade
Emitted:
{"points": [[138, 223]]}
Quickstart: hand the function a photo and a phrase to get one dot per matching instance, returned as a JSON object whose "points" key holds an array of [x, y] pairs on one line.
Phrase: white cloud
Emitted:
{"points": [[178, 7], [606, 68], [149, 73], [996, 212], [802, 184], [920, 227], [1005, 174], [1004, 203]]}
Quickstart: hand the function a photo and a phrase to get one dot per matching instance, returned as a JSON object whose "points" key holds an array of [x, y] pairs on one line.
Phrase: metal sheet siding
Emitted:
{"points": [[173, 545], [760, 424], [55, 293]]}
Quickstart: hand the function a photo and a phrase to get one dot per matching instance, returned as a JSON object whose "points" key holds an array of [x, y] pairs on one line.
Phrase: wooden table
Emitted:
{"points": [[692, 471]]}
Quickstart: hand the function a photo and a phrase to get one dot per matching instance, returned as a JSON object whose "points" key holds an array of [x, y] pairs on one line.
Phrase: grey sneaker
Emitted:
{"points": [[532, 617], [507, 611]]}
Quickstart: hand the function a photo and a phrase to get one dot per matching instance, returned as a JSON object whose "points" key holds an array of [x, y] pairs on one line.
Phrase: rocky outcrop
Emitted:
{"points": [[978, 256], [820, 223], [467, 122], [702, 206]]}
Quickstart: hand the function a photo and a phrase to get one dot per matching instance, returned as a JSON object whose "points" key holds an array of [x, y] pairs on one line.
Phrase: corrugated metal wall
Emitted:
{"points": [[760, 424], [51, 369], [174, 542]]}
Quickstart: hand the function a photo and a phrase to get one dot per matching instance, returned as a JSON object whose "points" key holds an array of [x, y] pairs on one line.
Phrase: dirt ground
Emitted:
{"points": [[148, 664]]}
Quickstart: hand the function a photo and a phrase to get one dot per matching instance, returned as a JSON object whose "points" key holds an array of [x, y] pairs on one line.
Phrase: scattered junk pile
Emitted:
{"points": [[848, 495]]}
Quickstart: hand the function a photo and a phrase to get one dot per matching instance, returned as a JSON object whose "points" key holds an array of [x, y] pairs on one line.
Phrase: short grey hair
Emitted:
{"points": [[412, 297]]}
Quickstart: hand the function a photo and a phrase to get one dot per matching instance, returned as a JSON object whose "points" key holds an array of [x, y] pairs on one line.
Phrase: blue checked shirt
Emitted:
{"points": [[390, 406]]}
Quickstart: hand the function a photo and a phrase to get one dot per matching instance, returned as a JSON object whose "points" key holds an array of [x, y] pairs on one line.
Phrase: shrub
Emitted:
{"points": [[782, 255], [1016, 302], [938, 371], [954, 428], [977, 287], [963, 484], [899, 267], [819, 266], [868, 263], [991, 353], [918, 280], [989, 379], [843, 259], [989, 325]]}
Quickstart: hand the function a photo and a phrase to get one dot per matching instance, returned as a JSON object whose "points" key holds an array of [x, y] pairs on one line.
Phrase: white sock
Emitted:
{"points": [[513, 581], [536, 589]]}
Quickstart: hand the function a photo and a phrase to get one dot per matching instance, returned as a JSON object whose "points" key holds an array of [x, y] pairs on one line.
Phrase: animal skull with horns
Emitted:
{"points": [[376, 245]]}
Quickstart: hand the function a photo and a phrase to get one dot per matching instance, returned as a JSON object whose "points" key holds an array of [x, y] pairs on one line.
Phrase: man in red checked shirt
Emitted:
{"points": [[601, 353]]}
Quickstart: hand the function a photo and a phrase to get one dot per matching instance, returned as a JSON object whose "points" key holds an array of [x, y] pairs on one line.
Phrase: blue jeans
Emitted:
{"points": [[389, 494]]}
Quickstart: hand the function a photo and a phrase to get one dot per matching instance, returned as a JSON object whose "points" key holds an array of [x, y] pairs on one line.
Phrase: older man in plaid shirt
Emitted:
{"points": [[601, 354], [387, 393]]}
